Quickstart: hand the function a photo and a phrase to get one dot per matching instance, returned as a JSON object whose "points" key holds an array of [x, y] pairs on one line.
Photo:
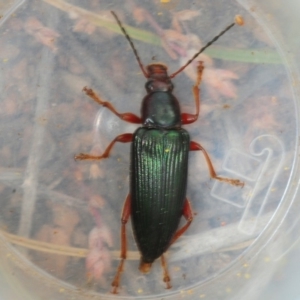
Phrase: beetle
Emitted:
{"points": [[159, 163]]}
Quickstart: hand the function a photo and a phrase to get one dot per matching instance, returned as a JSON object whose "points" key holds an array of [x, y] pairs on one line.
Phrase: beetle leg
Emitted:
{"points": [[122, 138], [128, 117], [166, 279], [125, 216], [191, 118], [188, 215], [196, 147]]}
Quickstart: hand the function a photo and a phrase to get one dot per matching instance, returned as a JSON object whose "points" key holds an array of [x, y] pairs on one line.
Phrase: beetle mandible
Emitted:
{"points": [[159, 163]]}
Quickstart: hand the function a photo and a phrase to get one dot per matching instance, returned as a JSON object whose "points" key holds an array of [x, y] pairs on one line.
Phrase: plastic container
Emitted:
{"points": [[60, 219]]}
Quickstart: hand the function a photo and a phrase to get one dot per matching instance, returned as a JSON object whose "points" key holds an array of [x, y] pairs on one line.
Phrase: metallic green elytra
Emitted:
{"points": [[158, 187]]}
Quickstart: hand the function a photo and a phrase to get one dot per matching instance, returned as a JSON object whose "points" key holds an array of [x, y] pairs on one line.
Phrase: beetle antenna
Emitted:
{"points": [[238, 19], [131, 44]]}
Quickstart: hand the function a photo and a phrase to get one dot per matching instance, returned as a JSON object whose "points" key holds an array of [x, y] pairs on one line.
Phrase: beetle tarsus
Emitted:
{"points": [[168, 285], [116, 282], [191, 118], [200, 68], [166, 278], [197, 147], [235, 182], [83, 156]]}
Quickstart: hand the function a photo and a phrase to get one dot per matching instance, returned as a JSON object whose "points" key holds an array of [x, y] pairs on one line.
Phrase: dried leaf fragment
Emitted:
{"points": [[42, 34]]}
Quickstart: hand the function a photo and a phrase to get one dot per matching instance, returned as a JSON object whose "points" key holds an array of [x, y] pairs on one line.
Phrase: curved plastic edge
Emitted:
{"points": [[10, 10]]}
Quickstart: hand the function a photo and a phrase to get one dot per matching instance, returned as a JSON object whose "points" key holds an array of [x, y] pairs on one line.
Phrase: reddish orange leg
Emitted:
{"points": [[166, 273], [128, 117], [197, 147], [188, 215], [125, 216], [190, 118], [122, 138]]}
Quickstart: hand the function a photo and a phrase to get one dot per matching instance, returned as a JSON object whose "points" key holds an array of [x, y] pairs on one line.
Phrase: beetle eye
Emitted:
{"points": [[149, 86]]}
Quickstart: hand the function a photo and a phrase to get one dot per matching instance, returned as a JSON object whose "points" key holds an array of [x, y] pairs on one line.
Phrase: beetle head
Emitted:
{"points": [[158, 78]]}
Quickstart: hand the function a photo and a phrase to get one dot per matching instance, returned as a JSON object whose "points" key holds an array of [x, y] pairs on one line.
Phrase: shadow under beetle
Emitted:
{"points": [[159, 163]]}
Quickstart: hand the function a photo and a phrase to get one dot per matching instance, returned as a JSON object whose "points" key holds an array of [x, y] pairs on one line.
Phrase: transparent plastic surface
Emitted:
{"points": [[60, 219]]}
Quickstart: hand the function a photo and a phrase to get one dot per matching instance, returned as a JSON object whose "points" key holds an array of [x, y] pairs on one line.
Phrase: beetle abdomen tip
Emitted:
{"points": [[145, 267]]}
